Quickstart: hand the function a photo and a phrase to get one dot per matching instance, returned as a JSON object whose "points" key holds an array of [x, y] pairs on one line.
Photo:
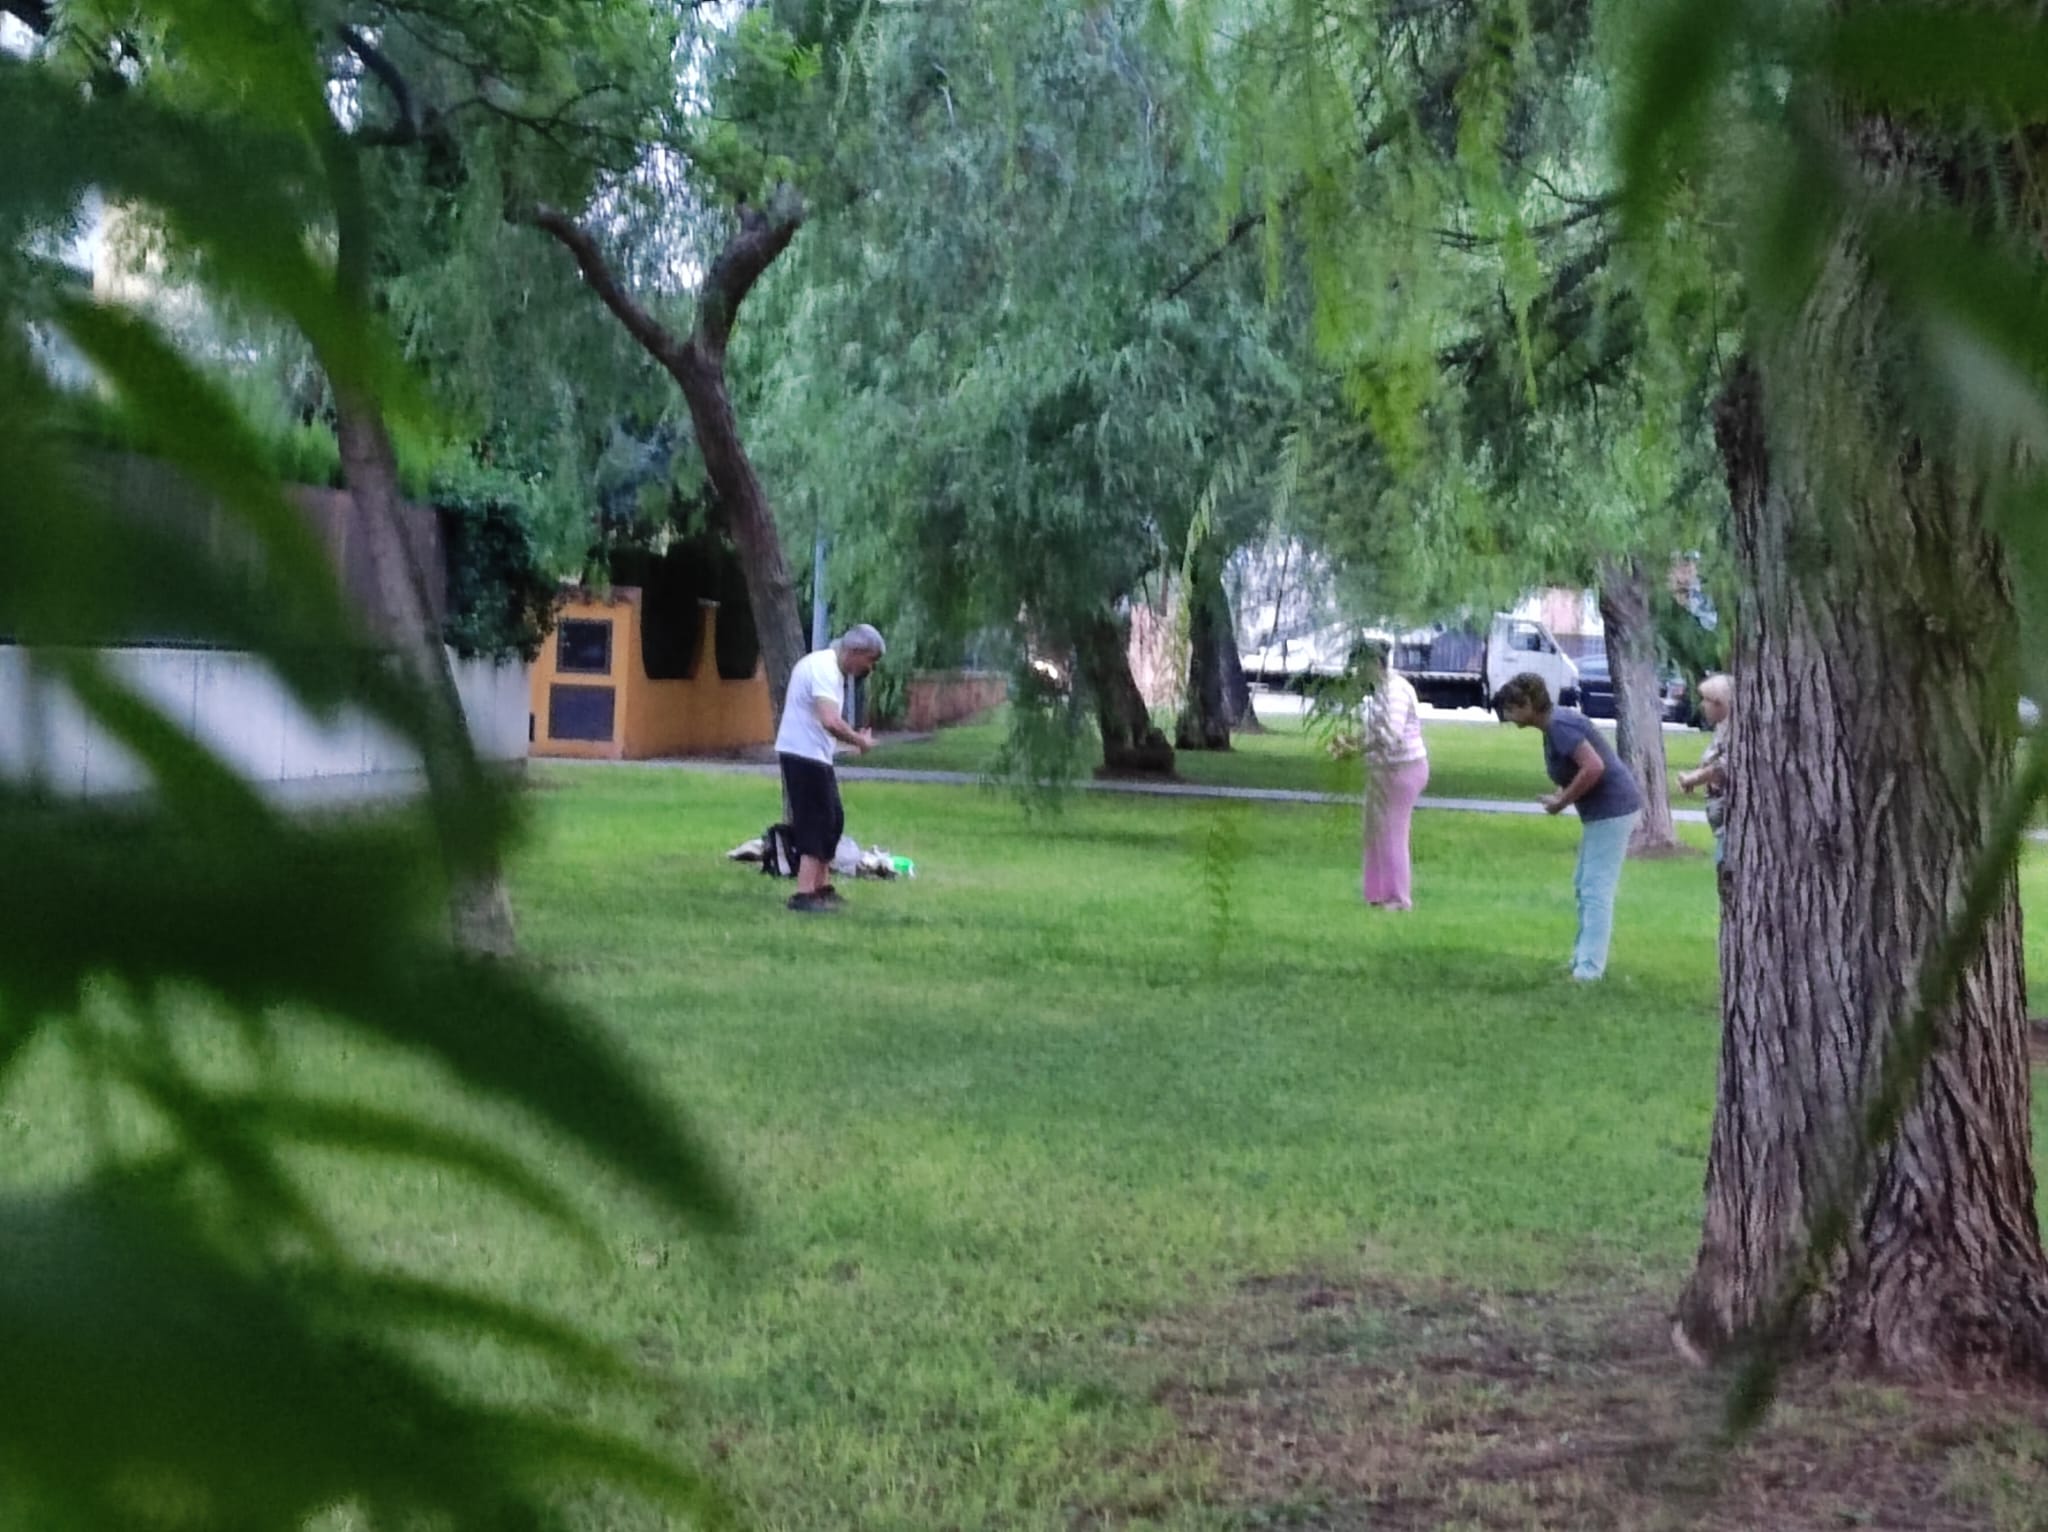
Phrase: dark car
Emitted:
{"points": [[1596, 690], [1596, 685]]}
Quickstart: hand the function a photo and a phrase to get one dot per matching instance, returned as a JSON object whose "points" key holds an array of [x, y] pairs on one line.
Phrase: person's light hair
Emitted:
{"points": [[1718, 688], [862, 638]]}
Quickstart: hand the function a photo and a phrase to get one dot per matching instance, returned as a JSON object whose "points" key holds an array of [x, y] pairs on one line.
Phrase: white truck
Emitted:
{"points": [[1453, 668]]}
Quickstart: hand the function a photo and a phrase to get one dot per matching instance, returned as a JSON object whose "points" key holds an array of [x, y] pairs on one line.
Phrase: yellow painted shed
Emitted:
{"points": [[593, 698]]}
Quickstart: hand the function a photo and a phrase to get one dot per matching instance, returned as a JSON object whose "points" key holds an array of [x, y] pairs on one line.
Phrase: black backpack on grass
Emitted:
{"points": [[779, 855]]}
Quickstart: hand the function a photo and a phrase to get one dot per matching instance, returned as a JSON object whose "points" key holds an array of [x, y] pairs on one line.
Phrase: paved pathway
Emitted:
{"points": [[1089, 785], [1136, 789]]}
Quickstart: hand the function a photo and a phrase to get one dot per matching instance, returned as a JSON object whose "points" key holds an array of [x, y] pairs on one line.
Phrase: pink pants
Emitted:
{"points": [[1390, 796]]}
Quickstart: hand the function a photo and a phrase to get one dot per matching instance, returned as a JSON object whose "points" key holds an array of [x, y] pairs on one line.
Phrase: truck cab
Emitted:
{"points": [[1520, 644], [1458, 667]]}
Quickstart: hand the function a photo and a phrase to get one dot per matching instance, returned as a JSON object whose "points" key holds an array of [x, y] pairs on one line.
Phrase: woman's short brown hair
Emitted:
{"points": [[1525, 690]]}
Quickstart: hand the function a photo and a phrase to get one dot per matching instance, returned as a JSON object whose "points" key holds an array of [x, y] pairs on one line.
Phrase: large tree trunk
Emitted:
{"points": [[1130, 741], [743, 505], [480, 904], [697, 363], [1866, 751], [1237, 687], [1632, 659], [1237, 690], [1204, 722]]}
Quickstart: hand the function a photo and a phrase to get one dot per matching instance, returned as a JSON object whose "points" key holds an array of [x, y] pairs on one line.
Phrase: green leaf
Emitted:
{"points": [[331, 916], [1797, 216], [2020, 512], [394, 1302], [364, 1131], [247, 201], [806, 63], [172, 1385], [194, 781], [1960, 62], [153, 578], [498, 1033], [1684, 52], [213, 447], [1981, 312], [257, 54]]}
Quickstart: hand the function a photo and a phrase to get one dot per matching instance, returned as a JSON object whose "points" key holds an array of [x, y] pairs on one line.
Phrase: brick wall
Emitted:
{"points": [[936, 698]]}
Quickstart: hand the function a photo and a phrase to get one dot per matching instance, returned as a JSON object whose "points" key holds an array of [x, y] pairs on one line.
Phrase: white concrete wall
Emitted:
{"points": [[234, 705]]}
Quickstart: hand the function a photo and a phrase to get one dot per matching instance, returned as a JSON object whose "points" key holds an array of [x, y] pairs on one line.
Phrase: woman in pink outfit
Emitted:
{"points": [[1396, 772]]}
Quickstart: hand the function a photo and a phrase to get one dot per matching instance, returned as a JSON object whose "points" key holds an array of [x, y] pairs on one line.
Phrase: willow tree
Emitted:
{"points": [[759, 144], [1435, 178], [1870, 1187], [1870, 1190], [608, 129], [1019, 408]]}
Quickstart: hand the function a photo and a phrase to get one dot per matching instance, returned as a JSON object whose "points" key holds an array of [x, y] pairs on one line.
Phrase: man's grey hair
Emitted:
{"points": [[862, 638]]}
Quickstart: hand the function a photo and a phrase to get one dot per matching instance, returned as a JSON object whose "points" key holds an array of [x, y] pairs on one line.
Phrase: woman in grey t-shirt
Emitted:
{"points": [[1591, 779]]}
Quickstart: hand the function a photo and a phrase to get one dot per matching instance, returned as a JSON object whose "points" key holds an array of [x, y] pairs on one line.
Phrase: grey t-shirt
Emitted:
{"points": [[1616, 793]]}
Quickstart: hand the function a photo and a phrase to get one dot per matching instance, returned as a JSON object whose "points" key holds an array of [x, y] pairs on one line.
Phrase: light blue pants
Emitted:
{"points": [[1603, 847]]}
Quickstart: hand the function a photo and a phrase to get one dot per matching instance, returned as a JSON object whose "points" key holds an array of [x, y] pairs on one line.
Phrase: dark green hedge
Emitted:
{"points": [[500, 600]]}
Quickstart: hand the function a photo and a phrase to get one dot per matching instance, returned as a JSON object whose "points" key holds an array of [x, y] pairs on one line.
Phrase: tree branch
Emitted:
{"points": [[1246, 222], [1588, 209], [1600, 200], [1475, 354], [475, 68], [411, 126], [1377, 140], [552, 127], [763, 235], [656, 338]]}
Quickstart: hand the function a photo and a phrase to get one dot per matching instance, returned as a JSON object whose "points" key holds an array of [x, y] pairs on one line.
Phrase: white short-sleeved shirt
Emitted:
{"points": [[815, 679]]}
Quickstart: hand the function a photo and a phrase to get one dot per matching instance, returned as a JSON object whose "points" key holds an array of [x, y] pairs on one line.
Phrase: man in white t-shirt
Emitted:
{"points": [[813, 727]]}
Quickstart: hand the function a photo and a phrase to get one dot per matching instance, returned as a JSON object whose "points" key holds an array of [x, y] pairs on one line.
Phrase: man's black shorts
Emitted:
{"points": [[815, 814]]}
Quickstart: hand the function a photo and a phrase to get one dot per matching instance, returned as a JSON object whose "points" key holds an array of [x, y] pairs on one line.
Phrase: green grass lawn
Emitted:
{"points": [[1467, 760], [994, 1126], [995, 1118]]}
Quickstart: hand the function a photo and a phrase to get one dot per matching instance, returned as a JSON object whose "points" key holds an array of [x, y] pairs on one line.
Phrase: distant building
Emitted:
{"points": [[1573, 617]]}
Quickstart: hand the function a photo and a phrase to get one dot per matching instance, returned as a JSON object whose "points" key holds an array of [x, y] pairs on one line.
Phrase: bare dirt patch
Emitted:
{"points": [[1317, 1403]]}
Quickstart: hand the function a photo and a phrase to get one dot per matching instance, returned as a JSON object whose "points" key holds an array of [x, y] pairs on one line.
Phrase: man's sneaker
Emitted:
{"points": [[829, 897], [811, 904]]}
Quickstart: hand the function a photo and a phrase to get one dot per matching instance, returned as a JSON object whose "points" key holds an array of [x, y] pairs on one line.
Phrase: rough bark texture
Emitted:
{"points": [[748, 517], [697, 363], [1632, 660], [1865, 752], [1130, 742], [1237, 688], [480, 904], [1204, 722]]}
